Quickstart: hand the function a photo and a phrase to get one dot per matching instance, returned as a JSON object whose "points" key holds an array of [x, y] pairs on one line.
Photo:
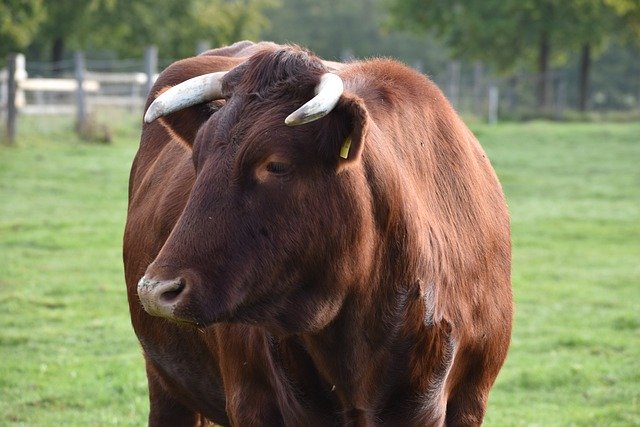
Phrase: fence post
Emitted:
{"points": [[511, 97], [202, 46], [419, 66], [12, 112], [453, 82], [20, 75], [638, 100], [81, 98], [150, 66], [493, 103], [478, 71], [347, 55], [561, 99]]}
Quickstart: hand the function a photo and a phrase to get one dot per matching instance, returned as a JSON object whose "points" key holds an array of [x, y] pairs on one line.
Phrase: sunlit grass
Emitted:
{"points": [[68, 355], [574, 196]]}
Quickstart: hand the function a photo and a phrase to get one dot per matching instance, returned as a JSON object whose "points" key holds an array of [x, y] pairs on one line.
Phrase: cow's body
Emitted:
{"points": [[371, 290]]}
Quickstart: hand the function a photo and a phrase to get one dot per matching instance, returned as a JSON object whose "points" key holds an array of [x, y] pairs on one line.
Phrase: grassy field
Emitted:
{"points": [[68, 355]]}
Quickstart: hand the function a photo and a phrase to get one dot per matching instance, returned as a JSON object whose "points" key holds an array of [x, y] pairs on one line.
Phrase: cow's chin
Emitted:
{"points": [[279, 320], [188, 314], [197, 318], [181, 319]]}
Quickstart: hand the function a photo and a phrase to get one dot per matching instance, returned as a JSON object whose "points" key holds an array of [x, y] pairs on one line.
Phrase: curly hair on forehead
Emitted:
{"points": [[292, 70]]}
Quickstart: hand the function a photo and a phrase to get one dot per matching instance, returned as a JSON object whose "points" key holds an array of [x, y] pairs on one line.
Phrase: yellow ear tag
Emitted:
{"points": [[346, 145]]}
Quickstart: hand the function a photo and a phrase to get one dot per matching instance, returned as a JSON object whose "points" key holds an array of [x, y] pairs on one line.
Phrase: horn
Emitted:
{"points": [[328, 93], [196, 90]]}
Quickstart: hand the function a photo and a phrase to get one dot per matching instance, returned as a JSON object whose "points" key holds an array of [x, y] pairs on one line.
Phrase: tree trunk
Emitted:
{"points": [[544, 83], [57, 50], [585, 68]]}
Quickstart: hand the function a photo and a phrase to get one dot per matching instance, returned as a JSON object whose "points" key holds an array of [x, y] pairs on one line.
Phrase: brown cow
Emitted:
{"points": [[348, 267]]}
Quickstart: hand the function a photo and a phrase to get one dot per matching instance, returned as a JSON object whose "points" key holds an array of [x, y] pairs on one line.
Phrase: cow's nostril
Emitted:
{"points": [[172, 292]]}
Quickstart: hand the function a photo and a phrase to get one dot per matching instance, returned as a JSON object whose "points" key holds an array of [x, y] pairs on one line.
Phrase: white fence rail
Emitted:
{"points": [[39, 95], [79, 87]]}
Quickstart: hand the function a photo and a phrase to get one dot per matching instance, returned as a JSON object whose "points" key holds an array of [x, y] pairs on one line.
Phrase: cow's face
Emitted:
{"points": [[277, 227]]}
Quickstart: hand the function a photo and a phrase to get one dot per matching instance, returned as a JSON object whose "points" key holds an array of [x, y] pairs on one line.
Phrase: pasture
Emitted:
{"points": [[68, 355]]}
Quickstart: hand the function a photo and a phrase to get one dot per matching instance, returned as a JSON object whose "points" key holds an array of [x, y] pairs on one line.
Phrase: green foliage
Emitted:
{"points": [[127, 27], [613, 85], [232, 21], [71, 20], [176, 27], [69, 356], [337, 29], [19, 21], [629, 13], [328, 28], [508, 33]]}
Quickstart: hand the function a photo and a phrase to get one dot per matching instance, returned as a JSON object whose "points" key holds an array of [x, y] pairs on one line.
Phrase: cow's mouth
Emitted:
{"points": [[177, 300]]}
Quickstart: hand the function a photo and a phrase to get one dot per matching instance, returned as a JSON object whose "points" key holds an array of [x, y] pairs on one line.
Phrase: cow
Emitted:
{"points": [[313, 243]]}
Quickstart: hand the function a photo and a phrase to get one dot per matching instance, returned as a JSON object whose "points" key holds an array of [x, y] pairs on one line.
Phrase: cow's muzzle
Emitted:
{"points": [[160, 297]]}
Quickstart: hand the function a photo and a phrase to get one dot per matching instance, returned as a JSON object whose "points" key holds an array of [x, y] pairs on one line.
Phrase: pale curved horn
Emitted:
{"points": [[328, 93], [196, 90]]}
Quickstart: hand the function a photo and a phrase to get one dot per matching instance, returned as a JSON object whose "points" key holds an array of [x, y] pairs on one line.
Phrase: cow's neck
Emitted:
{"points": [[366, 353]]}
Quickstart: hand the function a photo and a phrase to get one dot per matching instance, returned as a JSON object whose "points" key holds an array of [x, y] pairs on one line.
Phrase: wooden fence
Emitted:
{"points": [[80, 88]]}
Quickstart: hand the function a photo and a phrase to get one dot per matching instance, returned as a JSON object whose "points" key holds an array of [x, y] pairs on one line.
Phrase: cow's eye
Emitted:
{"points": [[277, 168], [274, 167]]}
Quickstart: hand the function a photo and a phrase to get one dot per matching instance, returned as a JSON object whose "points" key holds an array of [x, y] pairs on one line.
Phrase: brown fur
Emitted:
{"points": [[372, 290]]}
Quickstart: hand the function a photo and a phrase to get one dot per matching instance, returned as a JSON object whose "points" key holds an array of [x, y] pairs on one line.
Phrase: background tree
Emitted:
{"points": [[338, 29], [126, 27], [176, 27], [629, 13], [508, 32], [66, 21], [591, 23], [19, 20], [507, 35], [329, 28]]}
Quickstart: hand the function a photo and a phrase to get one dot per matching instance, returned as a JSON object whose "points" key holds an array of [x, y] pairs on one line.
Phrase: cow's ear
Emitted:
{"points": [[184, 124], [348, 130]]}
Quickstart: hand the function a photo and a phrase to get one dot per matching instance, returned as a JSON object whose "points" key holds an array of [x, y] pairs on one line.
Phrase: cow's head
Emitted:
{"points": [[278, 225]]}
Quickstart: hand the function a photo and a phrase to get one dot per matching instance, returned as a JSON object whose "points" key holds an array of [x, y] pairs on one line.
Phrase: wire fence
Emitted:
{"points": [[83, 86], [517, 97]]}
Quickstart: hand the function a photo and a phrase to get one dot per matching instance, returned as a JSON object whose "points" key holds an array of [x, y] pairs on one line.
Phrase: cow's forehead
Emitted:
{"points": [[284, 73], [261, 93], [251, 126]]}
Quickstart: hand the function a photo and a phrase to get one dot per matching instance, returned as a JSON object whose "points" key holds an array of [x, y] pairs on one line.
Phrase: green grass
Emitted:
{"points": [[68, 355], [574, 197]]}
